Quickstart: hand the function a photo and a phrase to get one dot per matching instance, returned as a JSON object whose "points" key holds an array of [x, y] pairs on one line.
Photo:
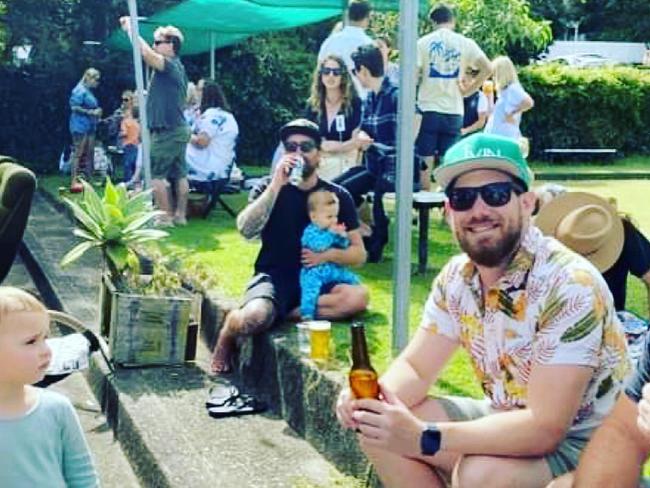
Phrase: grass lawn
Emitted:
{"points": [[216, 243]]}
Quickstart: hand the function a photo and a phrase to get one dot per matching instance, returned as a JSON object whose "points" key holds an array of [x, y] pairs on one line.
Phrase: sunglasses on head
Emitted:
{"points": [[493, 194], [158, 42], [331, 71], [304, 146]]}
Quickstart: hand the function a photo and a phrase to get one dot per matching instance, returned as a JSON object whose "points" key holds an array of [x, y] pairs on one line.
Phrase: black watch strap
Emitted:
{"points": [[430, 440]]}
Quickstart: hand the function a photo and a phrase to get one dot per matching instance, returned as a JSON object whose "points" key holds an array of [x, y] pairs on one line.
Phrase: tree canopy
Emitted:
{"points": [[503, 27]]}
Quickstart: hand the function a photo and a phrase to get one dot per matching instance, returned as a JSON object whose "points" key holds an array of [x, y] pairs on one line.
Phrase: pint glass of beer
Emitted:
{"points": [[320, 333], [304, 345]]}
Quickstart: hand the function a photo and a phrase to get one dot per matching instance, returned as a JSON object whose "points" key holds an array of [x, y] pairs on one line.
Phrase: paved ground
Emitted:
{"points": [[114, 469], [159, 413]]}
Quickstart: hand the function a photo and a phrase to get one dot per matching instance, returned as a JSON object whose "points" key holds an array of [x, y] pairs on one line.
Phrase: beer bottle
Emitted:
{"points": [[363, 378]]}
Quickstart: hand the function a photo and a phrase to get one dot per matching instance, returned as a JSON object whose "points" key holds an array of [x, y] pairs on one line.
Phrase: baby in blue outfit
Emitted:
{"points": [[323, 233]]}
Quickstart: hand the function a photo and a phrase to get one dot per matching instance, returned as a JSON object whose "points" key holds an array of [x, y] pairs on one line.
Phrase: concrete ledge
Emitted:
{"points": [[158, 414]]}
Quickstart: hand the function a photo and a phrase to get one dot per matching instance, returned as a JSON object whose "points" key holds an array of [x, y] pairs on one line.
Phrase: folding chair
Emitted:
{"points": [[214, 189]]}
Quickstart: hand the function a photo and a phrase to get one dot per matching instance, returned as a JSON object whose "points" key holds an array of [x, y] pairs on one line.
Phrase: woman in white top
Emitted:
{"points": [[512, 100], [211, 150]]}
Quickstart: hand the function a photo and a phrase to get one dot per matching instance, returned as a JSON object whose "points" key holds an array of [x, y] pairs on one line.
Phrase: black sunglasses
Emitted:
{"points": [[493, 194], [158, 42], [331, 71], [305, 146], [126, 99]]}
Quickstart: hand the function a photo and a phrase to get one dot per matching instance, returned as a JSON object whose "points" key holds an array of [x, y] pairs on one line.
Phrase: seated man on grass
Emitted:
{"points": [[538, 324], [277, 212]]}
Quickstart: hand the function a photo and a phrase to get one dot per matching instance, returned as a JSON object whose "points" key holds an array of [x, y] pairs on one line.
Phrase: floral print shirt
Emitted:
{"points": [[551, 307]]}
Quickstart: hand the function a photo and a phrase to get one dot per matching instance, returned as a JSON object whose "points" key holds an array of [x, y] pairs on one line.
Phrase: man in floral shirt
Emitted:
{"points": [[538, 324]]}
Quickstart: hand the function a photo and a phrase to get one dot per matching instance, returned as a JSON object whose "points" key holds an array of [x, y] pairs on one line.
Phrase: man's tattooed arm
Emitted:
{"points": [[254, 217]]}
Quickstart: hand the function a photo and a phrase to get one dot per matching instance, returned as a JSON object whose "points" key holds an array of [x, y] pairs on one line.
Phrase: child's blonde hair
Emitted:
{"points": [[505, 72], [321, 198], [14, 300]]}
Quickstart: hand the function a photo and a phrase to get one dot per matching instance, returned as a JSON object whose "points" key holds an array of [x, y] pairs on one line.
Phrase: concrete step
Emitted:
{"points": [[158, 414]]}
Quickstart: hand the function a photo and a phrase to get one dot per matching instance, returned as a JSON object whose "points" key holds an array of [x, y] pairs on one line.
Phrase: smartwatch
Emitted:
{"points": [[430, 440]]}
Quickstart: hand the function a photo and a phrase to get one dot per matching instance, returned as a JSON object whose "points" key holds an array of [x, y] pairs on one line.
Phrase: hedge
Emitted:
{"points": [[587, 108]]}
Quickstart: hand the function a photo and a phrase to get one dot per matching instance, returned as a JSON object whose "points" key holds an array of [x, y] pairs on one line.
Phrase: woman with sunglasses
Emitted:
{"points": [[336, 108]]}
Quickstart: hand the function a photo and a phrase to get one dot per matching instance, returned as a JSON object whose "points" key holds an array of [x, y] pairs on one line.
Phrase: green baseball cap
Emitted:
{"points": [[483, 151]]}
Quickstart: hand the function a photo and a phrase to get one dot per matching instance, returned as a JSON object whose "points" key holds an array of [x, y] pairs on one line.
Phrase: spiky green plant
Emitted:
{"points": [[115, 223]]}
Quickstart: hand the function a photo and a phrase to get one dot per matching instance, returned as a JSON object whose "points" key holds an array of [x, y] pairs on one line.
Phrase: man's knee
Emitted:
{"points": [[354, 299], [256, 316], [483, 471], [564, 481], [159, 184]]}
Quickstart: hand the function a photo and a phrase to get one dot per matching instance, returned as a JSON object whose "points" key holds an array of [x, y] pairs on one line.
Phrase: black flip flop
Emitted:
{"points": [[221, 393], [235, 406]]}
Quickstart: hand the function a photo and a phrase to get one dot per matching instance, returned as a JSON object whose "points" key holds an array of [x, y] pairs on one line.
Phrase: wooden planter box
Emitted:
{"points": [[145, 329]]}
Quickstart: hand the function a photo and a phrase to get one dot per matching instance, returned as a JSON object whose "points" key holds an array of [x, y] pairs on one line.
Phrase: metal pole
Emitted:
{"points": [[408, 22], [212, 44], [139, 86]]}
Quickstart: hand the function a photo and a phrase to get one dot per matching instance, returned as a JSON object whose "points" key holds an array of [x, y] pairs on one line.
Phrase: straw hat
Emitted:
{"points": [[585, 223]]}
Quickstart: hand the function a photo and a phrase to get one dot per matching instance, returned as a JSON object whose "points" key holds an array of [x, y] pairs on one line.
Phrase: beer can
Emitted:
{"points": [[295, 176]]}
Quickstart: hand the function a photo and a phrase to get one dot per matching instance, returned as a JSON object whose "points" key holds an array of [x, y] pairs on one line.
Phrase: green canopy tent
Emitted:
{"points": [[210, 24], [377, 5]]}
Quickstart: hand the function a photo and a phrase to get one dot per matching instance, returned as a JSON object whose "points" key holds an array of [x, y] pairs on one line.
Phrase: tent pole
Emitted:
{"points": [[139, 85], [212, 54], [408, 22]]}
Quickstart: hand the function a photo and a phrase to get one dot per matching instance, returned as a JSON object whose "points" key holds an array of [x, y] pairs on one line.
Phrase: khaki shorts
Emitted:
{"points": [[563, 460], [168, 153]]}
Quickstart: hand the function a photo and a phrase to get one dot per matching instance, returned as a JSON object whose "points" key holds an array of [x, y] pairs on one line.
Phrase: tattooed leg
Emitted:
{"points": [[255, 317]]}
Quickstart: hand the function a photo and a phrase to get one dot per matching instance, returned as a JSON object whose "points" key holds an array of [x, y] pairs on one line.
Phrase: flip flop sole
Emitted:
{"points": [[241, 405]]}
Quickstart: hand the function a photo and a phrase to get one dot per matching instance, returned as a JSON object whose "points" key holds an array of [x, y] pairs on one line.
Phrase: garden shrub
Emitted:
{"points": [[587, 108]]}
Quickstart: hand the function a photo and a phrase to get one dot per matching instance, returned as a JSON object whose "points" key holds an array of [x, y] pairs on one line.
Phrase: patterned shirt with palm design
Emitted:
{"points": [[551, 307]]}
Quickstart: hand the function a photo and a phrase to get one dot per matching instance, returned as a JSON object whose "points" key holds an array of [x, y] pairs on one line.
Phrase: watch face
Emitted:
{"points": [[430, 440]]}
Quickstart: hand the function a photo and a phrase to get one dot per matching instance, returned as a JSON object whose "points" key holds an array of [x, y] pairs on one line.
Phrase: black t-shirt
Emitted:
{"points": [[350, 121], [634, 258], [281, 248]]}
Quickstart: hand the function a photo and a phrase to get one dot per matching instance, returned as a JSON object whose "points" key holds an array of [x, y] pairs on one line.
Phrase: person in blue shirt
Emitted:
{"points": [[41, 440], [322, 234], [84, 114]]}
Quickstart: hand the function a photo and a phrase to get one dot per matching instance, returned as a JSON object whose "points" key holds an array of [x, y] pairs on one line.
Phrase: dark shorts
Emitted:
{"points": [[281, 289], [168, 153], [438, 133]]}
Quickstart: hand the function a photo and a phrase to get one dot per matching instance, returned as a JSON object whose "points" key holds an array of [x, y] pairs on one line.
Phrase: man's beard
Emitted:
{"points": [[308, 169], [494, 255]]}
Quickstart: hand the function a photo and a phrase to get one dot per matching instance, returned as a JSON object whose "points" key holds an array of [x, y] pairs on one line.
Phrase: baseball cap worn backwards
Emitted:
{"points": [[483, 151], [301, 126]]}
